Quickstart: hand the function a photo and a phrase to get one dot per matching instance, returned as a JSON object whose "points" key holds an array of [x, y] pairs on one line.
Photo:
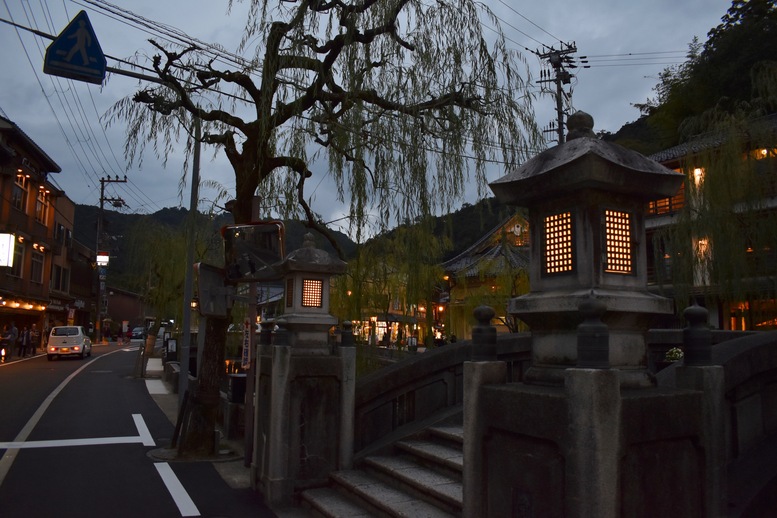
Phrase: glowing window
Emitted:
{"points": [[558, 243], [618, 258], [698, 176], [312, 293]]}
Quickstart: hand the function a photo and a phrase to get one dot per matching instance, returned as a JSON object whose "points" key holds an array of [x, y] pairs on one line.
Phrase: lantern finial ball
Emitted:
{"points": [[580, 124]]}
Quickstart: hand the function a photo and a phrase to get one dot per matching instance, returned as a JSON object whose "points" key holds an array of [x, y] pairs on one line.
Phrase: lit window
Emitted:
{"points": [[36, 267], [18, 260], [19, 193], [698, 176], [762, 153], [618, 252], [558, 243], [42, 206], [312, 293]]}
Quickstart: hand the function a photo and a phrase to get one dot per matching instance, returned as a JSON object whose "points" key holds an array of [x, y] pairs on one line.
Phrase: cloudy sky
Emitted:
{"points": [[627, 44]]}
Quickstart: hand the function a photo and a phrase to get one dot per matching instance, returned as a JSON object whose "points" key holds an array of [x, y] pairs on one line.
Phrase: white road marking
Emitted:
{"points": [[156, 387], [72, 442], [180, 496], [145, 435], [9, 457]]}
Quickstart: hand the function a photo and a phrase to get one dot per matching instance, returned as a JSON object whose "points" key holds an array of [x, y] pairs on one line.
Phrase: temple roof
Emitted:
{"points": [[493, 252]]}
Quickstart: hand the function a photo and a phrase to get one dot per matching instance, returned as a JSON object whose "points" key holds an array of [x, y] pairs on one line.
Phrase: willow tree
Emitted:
{"points": [[724, 242], [401, 103]]}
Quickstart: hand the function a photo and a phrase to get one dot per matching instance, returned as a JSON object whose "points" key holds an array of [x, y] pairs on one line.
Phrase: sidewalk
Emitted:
{"points": [[232, 468]]}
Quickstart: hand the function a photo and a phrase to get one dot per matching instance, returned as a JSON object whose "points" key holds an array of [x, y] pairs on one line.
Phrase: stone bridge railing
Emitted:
{"points": [[402, 397], [747, 405]]}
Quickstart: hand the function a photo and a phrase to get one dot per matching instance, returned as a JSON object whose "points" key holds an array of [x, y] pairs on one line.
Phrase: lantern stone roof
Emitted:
{"points": [[586, 162], [311, 259]]}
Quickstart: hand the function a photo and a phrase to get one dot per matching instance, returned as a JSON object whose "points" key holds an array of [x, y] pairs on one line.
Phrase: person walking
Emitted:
{"points": [[34, 339], [5, 349], [24, 342], [13, 336]]}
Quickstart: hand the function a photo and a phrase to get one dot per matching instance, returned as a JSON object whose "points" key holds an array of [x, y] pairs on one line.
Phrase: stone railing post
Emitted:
{"points": [[347, 352], [278, 485], [697, 337], [593, 336], [484, 335], [699, 373]]}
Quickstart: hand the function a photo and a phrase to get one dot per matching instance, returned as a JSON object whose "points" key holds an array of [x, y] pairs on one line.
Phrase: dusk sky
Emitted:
{"points": [[627, 44]]}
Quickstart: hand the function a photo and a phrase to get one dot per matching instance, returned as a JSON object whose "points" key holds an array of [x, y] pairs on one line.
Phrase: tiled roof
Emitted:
{"points": [[490, 255], [49, 164]]}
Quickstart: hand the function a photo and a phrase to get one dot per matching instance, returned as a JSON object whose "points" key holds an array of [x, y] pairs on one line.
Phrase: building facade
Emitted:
{"points": [[38, 286], [733, 273]]}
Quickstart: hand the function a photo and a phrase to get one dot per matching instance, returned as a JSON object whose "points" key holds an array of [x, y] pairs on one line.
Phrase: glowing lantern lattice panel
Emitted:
{"points": [[558, 243], [312, 293], [619, 254]]}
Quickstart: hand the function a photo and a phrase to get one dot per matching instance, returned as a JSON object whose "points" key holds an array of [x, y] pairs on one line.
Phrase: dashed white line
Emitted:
{"points": [[180, 496]]}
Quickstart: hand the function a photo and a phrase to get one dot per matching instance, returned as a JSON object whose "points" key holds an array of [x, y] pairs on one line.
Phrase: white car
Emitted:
{"points": [[68, 341]]}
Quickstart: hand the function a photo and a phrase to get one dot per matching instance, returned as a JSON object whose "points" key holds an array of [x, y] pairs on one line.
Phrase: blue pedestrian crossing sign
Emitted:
{"points": [[76, 53]]}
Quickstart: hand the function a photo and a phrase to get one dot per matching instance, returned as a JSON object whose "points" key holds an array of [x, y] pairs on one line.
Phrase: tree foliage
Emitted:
{"points": [[725, 240], [403, 100], [400, 102], [157, 256], [722, 73]]}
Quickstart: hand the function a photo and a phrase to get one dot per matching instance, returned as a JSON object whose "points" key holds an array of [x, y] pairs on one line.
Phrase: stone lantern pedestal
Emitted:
{"points": [[305, 384]]}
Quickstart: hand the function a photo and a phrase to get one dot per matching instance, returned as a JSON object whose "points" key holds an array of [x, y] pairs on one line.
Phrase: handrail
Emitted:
{"points": [[400, 396]]}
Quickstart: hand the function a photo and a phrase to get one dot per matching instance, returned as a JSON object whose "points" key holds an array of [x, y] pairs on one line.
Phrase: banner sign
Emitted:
{"points": [[247, 329]]}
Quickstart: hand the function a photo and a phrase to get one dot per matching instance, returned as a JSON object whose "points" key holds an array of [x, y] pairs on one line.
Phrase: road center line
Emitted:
{"points": [[177, 491]]}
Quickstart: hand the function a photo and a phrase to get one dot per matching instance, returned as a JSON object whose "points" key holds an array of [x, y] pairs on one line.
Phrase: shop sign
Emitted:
{"points": [[56, 305]]}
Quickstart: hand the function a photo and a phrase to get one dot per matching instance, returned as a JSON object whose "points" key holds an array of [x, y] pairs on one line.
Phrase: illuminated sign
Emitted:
{"points": [[6, 249], [103, 258]]}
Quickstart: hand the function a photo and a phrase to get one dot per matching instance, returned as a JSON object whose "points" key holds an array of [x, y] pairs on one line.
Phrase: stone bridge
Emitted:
{"points": [[742, 408]]}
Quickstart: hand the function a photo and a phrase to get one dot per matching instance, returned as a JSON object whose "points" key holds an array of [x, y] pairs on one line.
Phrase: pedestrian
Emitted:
{"points": [[24, 342], [5, 349], [13, 335], [34, 339]]}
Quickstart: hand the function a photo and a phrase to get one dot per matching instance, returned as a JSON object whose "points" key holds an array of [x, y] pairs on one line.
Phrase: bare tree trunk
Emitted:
{"points": [[198, 439]]}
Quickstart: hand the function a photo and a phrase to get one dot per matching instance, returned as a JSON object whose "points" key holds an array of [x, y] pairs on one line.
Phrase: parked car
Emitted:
{"points": [[68, 341], [138, 333]]}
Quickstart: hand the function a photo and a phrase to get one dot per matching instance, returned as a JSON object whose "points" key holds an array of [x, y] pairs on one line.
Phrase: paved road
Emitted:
{"points": [[74, 439]]}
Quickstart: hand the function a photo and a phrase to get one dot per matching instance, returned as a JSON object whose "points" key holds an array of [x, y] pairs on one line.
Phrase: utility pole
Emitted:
{"points": [[188, 287], [101, 269], [559, 60]]}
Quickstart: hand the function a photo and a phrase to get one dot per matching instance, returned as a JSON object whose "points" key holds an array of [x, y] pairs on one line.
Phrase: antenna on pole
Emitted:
{"points": [[559, 61]]}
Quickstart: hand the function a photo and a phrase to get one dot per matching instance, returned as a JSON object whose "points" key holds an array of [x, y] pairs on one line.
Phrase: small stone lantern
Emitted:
{"points": [[586, 201], [306, 273]]}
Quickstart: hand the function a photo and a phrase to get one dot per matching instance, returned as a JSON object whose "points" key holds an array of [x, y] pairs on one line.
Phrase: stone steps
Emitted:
{"points": [[422, 478]]}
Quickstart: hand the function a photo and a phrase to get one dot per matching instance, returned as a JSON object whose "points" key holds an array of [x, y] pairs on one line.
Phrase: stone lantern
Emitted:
{"points": [[305, 387], [307, 272], [586, 201]]}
